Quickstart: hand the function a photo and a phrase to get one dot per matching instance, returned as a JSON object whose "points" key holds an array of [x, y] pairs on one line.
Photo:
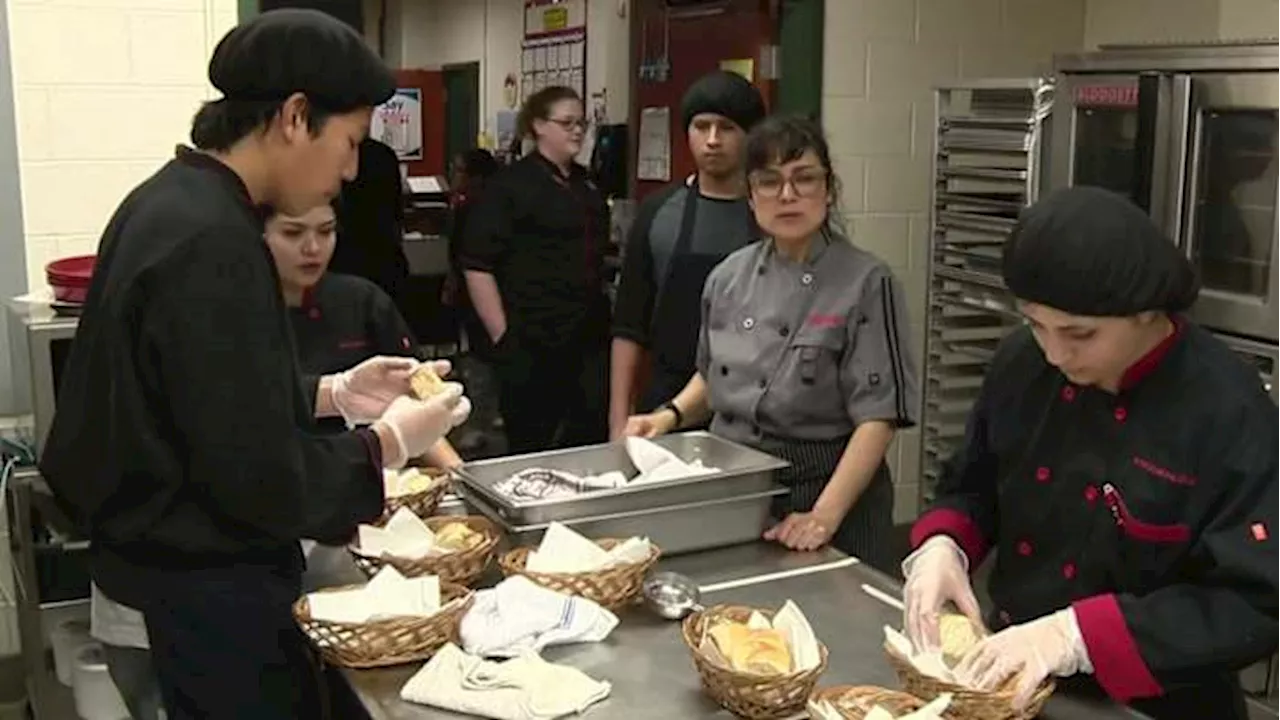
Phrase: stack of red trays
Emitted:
{"points": [[70, 277]]}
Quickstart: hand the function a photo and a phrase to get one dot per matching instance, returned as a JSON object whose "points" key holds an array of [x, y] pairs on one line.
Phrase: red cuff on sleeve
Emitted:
{"points": [[1117, 665], [956, 525]]}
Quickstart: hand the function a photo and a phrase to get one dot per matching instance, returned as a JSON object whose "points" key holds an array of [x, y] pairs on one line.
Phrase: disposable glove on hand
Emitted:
{"points": [[937, 573], [417, 425], [1051, 645], [363, 393]]}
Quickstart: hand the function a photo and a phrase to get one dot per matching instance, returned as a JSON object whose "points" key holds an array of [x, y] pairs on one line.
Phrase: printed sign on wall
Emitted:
{"points": [[398, 123]]}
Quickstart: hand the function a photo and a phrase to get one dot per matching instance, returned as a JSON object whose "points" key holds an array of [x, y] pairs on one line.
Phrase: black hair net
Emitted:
{"points": [[281, 52], [1089, 251], [723, 93]]}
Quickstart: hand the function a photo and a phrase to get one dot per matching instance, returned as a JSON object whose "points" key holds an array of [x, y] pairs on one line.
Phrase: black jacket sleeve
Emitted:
{"points": [[638, 284], [231, 382], [489, 226]]}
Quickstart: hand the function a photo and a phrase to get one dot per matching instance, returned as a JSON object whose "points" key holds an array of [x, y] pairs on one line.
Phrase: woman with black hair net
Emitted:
{"points": [[1123, 462]]}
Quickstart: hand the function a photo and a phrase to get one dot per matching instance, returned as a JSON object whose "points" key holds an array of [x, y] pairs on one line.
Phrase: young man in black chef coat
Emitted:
{"points": [[1123, 462], [678, 236], [185, 439]]}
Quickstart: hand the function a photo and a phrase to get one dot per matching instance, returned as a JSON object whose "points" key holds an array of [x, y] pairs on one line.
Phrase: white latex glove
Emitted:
{"points": [[417, 425], [1051, 645], [363, 393], [937, 573]]}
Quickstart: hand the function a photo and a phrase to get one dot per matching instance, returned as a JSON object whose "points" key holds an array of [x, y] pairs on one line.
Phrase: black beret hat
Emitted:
{"points": [[723, 93], [1088, 251], [286, 51]]}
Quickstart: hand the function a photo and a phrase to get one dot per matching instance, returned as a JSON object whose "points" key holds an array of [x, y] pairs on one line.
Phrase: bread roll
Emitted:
{"points": [[457, 536], [424, 382], [957, 635], [763, 652]]}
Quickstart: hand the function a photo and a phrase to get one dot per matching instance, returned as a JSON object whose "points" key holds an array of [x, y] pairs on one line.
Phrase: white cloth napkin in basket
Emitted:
{"points": [[519, 616], [524, 688]]}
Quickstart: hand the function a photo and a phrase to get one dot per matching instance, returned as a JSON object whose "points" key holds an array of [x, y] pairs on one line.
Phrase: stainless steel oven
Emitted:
{"points": [[1188, 133], [39, 342]]}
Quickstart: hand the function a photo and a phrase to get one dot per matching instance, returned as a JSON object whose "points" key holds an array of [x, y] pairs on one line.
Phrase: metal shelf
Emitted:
{"points": [[987, 148]]}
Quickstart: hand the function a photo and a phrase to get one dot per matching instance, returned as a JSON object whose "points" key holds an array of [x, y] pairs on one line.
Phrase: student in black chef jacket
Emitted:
{"points": [[184, 442], [1123, 462], [678, 236], [371, 221], [803, 352], [533, 258]]}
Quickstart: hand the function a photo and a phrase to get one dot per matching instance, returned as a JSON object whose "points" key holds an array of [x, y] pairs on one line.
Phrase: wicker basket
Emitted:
{"points": [[380, 643], [853, 702], [463, 567], [612, 588], [967, 704], [747, 695], [424, 503]]}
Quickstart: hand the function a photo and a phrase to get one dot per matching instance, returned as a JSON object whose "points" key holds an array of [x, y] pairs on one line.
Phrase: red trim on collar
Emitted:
{"points": [[1147, 364]]}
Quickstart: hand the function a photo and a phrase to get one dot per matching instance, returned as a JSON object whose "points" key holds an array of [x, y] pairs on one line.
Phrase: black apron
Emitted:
{"points": [[674, 337], [865, 531]]}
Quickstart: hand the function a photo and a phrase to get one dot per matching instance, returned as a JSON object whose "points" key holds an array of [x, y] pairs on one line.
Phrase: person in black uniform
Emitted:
{"points": [[1123, 462], [533, 257], [338, 320], [471, 173], [185, 443], [371, 221], [678, 236]]}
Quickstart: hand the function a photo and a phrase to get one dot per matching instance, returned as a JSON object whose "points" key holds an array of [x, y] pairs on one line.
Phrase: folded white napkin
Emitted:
{"points": [[653, 463], [928, 663], [405, 536], [823, 710], [519, 616], [658, 464], [524, 688], [564, 551], [388, 594]]}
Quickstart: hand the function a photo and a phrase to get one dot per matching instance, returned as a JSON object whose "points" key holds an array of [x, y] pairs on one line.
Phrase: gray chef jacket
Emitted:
{"points": [[805, 351]]}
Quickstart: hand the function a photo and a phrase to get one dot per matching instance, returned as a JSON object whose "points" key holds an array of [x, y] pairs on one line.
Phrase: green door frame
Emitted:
{"points": [[246, 9], [800, 47]]}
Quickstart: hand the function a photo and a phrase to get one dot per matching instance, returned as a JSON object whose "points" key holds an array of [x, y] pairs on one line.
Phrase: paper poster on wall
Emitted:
{"points": [[577, 54], [505, 127], [745, 67], [526, 85], [398, 123], [548, 19], [653, 161], [576, 81]]}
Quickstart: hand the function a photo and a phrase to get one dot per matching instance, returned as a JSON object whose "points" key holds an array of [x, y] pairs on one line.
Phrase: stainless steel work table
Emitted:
{"points": [[646, 660]]}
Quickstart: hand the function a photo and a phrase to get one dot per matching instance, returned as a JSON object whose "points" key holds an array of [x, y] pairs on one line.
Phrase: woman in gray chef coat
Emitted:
{"points": [[804, 352]]}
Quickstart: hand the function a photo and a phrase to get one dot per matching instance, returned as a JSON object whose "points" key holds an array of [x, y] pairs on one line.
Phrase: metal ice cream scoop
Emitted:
{"points": [[672, 595]]}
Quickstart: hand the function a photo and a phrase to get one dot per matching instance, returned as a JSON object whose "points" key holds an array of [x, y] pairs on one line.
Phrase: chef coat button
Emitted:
{"points": [[784, 331], [1024, 548], [1068, 393], [724, 370], [314, 314], [760, 270], [1091, 494], [762, 384], [1069, 571], [748, 323], [1121, 414], [1043, 474], [806, 279]]}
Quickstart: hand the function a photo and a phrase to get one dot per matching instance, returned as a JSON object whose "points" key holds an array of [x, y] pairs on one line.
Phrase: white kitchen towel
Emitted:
{"points": [[524, 688], [519, 616]]}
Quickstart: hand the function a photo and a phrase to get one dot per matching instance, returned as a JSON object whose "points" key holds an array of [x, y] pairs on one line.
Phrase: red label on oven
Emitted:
{"points": [[1107, 96]]}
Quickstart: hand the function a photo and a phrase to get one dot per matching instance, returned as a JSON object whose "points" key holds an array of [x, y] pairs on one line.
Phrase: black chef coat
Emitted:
{"points": [[343, 321], [543, 235], [1151, 512], [371, 221], [181, 438]]}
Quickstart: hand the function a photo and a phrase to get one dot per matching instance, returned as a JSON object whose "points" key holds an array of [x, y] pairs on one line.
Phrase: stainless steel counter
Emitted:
{"points": [[645, 659]]}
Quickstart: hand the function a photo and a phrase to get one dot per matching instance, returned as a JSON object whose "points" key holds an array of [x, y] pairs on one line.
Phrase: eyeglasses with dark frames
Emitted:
{"points": [[805, 183]]}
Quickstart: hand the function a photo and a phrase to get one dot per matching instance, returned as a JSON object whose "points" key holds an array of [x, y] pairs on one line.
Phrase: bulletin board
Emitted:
{"points": [[554, 51]]}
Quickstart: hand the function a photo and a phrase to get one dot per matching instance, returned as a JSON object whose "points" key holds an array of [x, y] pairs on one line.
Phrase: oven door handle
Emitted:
{"points": [[1144, 154]]}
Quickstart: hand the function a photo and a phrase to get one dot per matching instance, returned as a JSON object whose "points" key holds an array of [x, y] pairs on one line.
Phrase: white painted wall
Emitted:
{"points": [[881, 60], [433, 33], [104, 89]]}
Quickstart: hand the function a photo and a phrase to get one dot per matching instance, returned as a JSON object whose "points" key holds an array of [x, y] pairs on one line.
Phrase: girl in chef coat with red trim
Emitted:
{"points": [[1123, 461]]}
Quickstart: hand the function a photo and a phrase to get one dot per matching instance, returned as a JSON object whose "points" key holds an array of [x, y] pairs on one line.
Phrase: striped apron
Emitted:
{"points": [[865, 532]]}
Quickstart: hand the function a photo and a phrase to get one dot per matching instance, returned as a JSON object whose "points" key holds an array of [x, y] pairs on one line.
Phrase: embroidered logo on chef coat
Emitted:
{"points": [[404, 342], [819, 320], [1163, 473]]}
